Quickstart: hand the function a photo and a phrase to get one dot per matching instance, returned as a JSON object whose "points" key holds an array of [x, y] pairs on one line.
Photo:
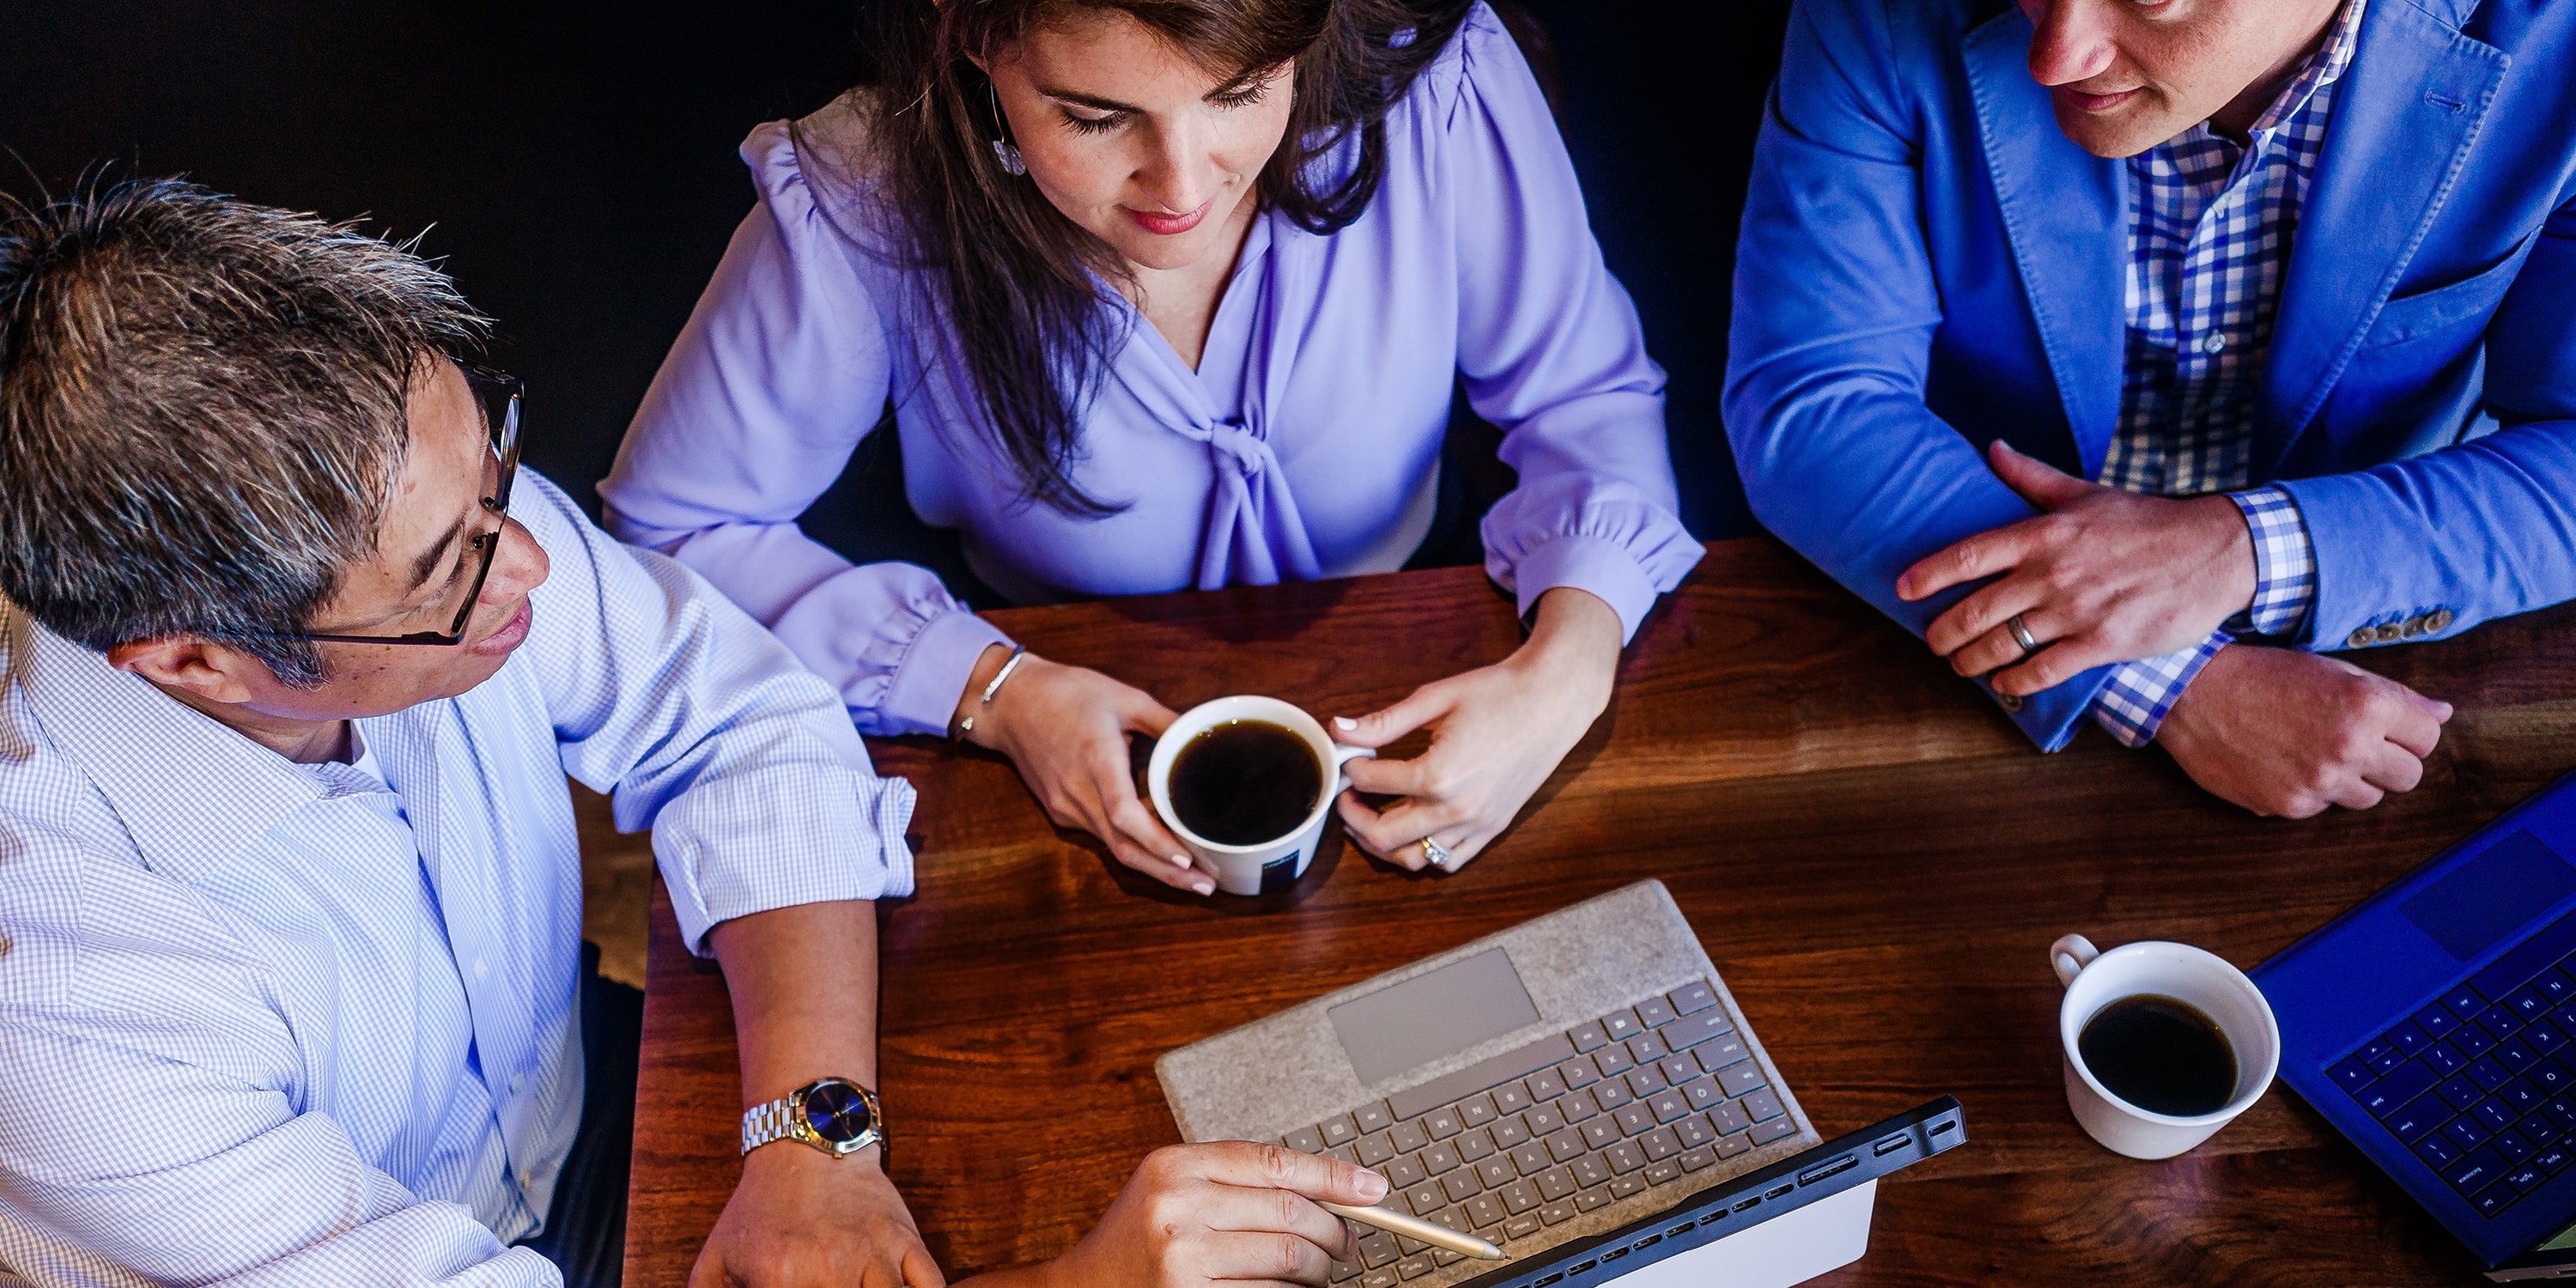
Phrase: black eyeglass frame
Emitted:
{"points": [[500, 395]]}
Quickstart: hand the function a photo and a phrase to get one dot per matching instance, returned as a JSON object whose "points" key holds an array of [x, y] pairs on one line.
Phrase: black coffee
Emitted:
{"points": [[1245, 782], [2160, 1054]]}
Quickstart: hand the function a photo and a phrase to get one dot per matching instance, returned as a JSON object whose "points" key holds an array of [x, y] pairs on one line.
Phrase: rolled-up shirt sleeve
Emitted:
{"points": [[780, 372], [758, 791], [1551, 351]]}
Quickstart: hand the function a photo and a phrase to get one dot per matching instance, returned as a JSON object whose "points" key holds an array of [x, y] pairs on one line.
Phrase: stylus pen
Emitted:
{"points": [[1414, 1227]]}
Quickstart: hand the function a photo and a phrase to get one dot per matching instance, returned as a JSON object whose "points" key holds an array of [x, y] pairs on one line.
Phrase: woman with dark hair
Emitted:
{"points": [[1169, 294]]}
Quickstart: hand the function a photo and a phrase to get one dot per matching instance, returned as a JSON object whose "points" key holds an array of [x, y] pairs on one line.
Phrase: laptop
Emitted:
{"points": [[2435, 1025], [1580, 1090]]}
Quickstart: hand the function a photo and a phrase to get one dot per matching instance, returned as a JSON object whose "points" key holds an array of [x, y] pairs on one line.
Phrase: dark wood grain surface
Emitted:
{"points": [[1874, 857]]}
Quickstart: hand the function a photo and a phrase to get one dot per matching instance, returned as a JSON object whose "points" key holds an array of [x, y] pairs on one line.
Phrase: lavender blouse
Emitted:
{"points": [[1305, 445]]}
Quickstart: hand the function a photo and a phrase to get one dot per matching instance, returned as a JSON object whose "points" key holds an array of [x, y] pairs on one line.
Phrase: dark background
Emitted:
{"points": [[574, 163]]}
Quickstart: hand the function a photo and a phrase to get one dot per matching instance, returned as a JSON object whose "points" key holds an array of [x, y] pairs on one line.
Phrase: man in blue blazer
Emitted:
{"points": [[2134, 352]]}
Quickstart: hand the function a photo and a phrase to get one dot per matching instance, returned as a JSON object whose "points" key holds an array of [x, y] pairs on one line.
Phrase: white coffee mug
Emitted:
{"points": [[1270, 865], [2094, 980]]}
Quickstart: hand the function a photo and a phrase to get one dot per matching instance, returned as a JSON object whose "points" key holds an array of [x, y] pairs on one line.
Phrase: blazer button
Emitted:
{"points": [[2362, 638], [2388, 634], [2412, 626], [2008, 701], [2438, 620]]}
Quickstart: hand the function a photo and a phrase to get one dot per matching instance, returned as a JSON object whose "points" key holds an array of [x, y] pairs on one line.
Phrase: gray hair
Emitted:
{"points": [[202, 411]]}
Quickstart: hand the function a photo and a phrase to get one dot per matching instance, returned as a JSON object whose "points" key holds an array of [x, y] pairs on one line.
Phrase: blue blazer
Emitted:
{"points": [[1928, 264]]}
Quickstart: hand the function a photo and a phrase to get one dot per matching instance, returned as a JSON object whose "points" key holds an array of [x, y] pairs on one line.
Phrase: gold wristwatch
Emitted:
{"points": [[834, 1115]]}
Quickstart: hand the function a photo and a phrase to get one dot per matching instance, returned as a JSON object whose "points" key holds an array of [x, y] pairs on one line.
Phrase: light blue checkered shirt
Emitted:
{"points": [[271, 1024], [2209, 241]]}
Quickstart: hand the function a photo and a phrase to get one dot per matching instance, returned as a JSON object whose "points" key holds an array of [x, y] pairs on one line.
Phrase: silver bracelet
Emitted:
{"points": [[985, 699]]}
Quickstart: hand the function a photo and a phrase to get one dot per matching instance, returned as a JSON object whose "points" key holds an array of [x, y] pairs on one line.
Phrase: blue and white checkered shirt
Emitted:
{"points": [[276, 1024], [2209, 240]]}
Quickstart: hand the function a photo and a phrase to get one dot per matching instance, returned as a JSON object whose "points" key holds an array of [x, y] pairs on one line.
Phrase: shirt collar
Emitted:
{"points": [[2323, 68], [191, 793]]}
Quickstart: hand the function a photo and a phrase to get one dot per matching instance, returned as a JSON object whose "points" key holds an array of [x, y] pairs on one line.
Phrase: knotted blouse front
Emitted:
{"points": [[1305, 445]]}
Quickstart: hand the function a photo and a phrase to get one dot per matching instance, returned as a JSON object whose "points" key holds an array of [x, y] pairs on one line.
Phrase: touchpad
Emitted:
{"points": [[1429, 1016]]}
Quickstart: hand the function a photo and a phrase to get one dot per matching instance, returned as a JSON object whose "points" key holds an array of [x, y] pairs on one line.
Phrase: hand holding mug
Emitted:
{"points": [[1497, 733]]}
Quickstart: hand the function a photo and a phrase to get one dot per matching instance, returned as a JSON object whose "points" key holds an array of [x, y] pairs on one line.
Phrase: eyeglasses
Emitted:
{"points": [[499, 396]]}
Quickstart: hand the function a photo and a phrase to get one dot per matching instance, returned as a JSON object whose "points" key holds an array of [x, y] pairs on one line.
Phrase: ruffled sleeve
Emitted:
{"points": [[1551, 351], [781, 370]]}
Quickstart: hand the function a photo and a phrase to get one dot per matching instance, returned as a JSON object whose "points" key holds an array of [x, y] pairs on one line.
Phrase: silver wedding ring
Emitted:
{"points": [[1434, 851], [2021, 634]]}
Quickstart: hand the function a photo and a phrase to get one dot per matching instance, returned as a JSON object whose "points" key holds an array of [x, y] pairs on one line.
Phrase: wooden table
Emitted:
{"points": [[1875, 858]]}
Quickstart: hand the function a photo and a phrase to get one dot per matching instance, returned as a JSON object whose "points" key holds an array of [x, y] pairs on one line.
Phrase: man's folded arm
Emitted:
{"points": [[705, 727], [117, 1154], [1835, 310], [2485, 529]]}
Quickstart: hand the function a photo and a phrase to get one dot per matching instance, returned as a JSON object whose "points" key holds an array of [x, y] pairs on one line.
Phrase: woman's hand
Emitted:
{"points": [[2104, 576], [1227, 1211], [1497, 732], [1066, 728]]}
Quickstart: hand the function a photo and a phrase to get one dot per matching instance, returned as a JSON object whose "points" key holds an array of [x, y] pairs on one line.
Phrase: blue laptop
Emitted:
{"points": [[2435, 1025]]}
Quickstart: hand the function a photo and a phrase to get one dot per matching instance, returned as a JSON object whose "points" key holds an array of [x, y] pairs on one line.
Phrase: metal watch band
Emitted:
{"points": [[765, 1123]]}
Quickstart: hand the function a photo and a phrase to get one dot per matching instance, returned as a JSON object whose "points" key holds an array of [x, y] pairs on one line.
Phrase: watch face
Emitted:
{"points": [[836, 1113]]}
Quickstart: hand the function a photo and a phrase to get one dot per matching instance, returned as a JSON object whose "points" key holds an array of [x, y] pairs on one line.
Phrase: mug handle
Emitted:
{"points": [[1344, 754], [2070, 955]]}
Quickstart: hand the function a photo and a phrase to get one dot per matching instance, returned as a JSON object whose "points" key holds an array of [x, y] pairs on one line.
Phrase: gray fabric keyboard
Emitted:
{"points": [[1573, 1123]]}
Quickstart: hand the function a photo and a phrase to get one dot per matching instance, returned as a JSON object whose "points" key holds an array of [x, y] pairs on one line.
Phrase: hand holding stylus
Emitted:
{"points": [[1230, 1211]]}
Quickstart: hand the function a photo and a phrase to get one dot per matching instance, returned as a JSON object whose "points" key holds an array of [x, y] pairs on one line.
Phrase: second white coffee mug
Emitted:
{"points": [[1270, 865], [2094, 980]]}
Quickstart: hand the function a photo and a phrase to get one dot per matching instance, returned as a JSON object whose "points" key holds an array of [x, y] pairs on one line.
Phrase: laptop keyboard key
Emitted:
{"points": [[1587, 1037], [1576, 1106], [1669, 1169], [1378, 1249], [1624, 1186], [2551, 1076], [2436, 1020], [1405, 1172], [1520, 1196], [1634, 1119], [1694, 1130], [1610, 1094], [1695, 1159], [1577, 1074], [1485, 1210], [1508, 1132], [1476, 1110], [1408, 1136], [2528, 1002], [2444, 1060], [1716, 1055], [2499, 1021], [1678, 1069], [1414, 1267], [1543, 1121], [1612, 1061], [1522, 1226], [1556, 1183], [1442, 1123], [1741, 1078], [1625, 1157], [1591, 1170], [1304, 1140], [1654, 1012], [2402, 1085], [1601, 1133], [2493, 1203], [1620, 1025], [2526, 1178], [2467, 1133], [2554, 1159], [1461, 1185], [2511, 1144], [2471, 1041], [2488, 1074], [2409, 1039], [1511, 1098], [1474, 1145], [2475, 1171], [2524, 1096], [1690, 1031], [1545, 1085], [1497, 1172], [1382, 1277], [2545, 1038], [1730, 1146], [1764, 1133], [1532, 1159], [1337, 1130], [1591, 1199], [2516, 1054], [2464, 1001], [1660, 1144], [1762, 1104], [2494, 1115], [1565, 1144], [1728, 1116], [2423, 1114], [2376, 1051], [1645, 1082], [1691, 999], [1646, 1048], [2437, 1151], [2461, 1092], [1440, 1158], [1374, 1150], [1669, 1105], [1555, 1213], [2352, 1075]]}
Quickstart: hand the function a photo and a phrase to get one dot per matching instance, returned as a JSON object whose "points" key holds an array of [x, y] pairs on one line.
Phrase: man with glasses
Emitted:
{"points": [[291, 977], [291, 675]]}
